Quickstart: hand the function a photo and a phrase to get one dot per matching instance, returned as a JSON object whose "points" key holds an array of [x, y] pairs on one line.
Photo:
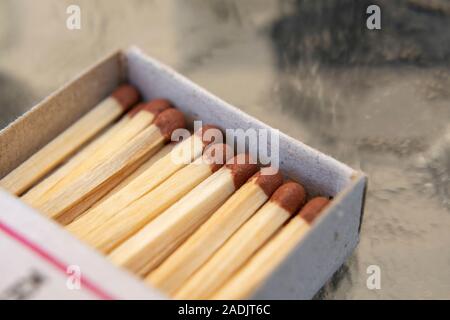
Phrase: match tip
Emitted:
{"points": [[168, 121], [313, 208], [290, 196], [242, 167], [126, 95], [155, 106], [268, 182], [216, 155], [208, 134]]}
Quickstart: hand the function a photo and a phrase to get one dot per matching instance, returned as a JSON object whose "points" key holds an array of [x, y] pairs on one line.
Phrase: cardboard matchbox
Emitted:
{"points": [[40, 260]]}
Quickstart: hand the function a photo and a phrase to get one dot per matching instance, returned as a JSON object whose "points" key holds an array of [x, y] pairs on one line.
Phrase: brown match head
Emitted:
{"points": [[290, 196], [242, 168], [155, 106], [313, 208], [216, 155], [209, 134], [168, 121], [126, 95], [268, 182]]}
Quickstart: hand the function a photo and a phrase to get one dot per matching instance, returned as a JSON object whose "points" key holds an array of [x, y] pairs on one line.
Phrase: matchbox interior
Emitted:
{"points": [[334, 235]]}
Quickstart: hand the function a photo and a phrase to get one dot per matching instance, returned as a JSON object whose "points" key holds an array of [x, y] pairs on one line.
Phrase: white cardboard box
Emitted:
{"points": [[39, 259]]}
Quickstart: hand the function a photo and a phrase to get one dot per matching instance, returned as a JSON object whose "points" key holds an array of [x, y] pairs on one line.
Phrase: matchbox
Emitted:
{"points": [[45, 261]]}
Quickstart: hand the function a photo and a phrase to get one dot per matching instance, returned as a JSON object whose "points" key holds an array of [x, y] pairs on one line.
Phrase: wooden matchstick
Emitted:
{"points": [[184, 153], [114, 231], [152, 244], [68, 142], [244, 243], [250, 277], [193, 253], [153, 159], [67, 204], [140, 117], [35, 196], [38, 190]]}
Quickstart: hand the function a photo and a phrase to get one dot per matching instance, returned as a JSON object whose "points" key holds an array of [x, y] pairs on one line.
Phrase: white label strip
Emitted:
{"points": [[40, 260]]}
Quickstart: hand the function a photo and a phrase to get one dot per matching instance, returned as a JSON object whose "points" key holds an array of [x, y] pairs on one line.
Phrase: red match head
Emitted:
{"points": [[313, 208], [290, 196], [242, 167], [268, 182], [126, 95], [168, 121], [155, 106]]}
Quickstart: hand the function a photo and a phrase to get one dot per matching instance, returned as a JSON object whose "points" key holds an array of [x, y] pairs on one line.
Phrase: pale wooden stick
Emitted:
{"points": [[68, 142], [35, 193], [117, 229], [244, 243], [180, 156], [148, 247], [193, 253], [159, 155], [83, 192], [251, 276], [140, 119]]}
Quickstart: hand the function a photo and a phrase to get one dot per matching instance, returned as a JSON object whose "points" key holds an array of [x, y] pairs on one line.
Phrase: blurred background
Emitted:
{"points": [[378, 100]]}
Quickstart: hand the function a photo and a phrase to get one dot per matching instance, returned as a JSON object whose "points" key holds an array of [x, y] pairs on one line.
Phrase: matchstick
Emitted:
{"points": [[250, 277], [38, 190], [185, 152], [152, 244], [91, 186], [68, 142], [244, 243], [140, 117], [159, 155], [193, 253], [114, 231], [35, 196]]}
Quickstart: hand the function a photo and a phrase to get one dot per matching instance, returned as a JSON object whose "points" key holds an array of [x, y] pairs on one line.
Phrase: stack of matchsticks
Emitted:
{"points": [[190, 217]]}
